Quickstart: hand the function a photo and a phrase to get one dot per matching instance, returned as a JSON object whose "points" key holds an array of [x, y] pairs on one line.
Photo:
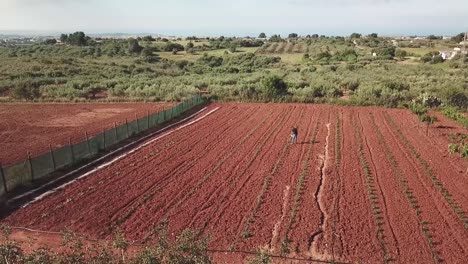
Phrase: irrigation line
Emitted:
{"points": [[110, 154]]}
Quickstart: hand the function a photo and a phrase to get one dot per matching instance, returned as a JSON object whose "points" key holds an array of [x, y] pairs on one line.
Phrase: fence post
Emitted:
{"points": [[52, 158], [104, 136], [126, 127], [87, 142], [115, 131], [138, 123], [30, 166], [147, 119], [2, 173], [71, 150]]}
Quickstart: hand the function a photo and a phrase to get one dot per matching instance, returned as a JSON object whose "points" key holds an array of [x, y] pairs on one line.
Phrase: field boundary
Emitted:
{"points": [[126, 153], [25, 172]]}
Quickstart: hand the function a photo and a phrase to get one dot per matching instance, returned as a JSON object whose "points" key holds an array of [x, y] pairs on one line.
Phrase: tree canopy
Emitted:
{"points": [[133, 46], [78, 39]]}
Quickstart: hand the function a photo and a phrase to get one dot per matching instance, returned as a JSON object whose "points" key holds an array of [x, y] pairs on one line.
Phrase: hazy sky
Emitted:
{"points": [[237, 17]]}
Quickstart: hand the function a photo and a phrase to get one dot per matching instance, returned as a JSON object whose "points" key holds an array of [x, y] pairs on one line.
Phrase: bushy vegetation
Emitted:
{"points": [[187, 248], [325, 69], [452, 113], [458, 144]]}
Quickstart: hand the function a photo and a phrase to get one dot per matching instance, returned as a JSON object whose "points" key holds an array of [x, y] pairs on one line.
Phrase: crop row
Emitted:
{"points": [[177, 201], [407, 191], [428, 171], [298, 192], [153, 191], [337, 142], [371, 191], [253, 158], [265, 186], [336, 211]]}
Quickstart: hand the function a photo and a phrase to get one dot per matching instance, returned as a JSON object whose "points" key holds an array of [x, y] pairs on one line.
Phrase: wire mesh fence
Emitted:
{"points": [[24, 172]]}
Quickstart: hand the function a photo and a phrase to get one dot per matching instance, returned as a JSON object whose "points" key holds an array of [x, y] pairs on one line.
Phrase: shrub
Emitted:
{"points": [[26, 90], [274, 86], [170, 46], [457, 98]]}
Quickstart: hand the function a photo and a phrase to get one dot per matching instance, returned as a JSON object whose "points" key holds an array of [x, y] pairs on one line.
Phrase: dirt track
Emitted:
{"points": [[362, 185]]}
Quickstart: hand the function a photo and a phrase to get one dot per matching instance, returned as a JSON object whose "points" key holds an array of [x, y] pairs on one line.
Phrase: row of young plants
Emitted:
{"points": [[458, 144], [247, 233], [337, 142], [429, 173], [400, 175], [336, 210], [253, 158], [186, 195], [372, 194], [452, 113], [299, 190], [160, 186], [422, 112]]}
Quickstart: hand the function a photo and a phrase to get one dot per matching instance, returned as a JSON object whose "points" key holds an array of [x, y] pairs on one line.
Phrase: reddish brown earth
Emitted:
{"points": [[363, 185], [32, 127]]}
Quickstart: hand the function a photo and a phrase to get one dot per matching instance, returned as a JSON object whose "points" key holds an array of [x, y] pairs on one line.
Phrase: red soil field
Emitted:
{"points": [[363, 185], [32, 127]]}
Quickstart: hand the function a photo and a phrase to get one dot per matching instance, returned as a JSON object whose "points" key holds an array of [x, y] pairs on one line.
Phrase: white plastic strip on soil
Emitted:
{"points": [[118, 157]]}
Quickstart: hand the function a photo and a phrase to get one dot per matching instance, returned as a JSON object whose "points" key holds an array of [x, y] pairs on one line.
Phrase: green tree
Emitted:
{"points": [[433, 37], [148, 38], [190, 48], [274, 86], [385, 51], [275, 38], [426, 58], [456, 97], [233, 48], [401, 53], [26, 90], [373, 35], [293, 35], [437, 59], [64, 38], [458, 38], [171, 46], [78, 39], [50, 42], [147, 51], [133, 46], [262, 35], [355, 35]]}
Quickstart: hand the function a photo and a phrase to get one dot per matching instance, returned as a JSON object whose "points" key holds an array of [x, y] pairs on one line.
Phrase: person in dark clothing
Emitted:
{"points": [[294, 135]]}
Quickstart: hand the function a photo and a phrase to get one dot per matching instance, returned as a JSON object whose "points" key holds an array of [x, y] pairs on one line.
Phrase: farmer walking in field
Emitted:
{"points": [[294, 135]]}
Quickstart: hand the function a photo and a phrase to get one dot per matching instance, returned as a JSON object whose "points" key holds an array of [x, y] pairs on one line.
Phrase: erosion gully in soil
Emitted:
{"points": [[362, 185], [33, 126]]}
